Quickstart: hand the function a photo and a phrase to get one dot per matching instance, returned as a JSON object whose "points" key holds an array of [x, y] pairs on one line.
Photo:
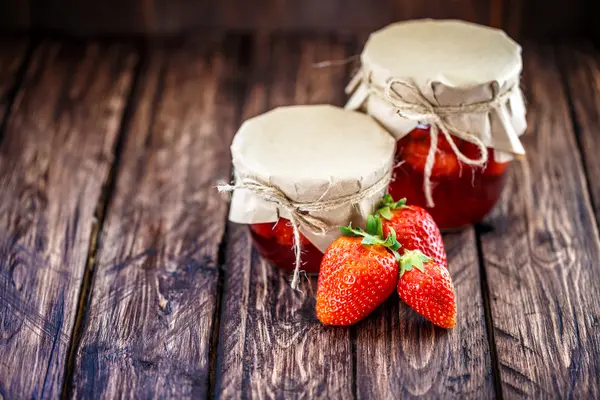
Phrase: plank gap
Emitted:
{"points": [[353, 336], [487, 309], [244, 61], [108, 188], [216, 320], [18, 81], [577, 129]]}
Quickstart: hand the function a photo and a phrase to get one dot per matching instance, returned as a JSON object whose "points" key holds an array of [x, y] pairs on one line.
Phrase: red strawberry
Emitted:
{"points": [[445, 163], [281, 230], [426, 286], [284, 233], [420, 133], [494, 168], [471, 150], [355, 277], [415, 228], [263, 229]]}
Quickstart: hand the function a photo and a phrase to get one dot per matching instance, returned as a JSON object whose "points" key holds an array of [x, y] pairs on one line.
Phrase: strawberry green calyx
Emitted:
{"points": [[410, 259], [374, 234], [387, 205]]}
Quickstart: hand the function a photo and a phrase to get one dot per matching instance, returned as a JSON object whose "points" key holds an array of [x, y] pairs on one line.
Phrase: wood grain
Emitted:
{"points": [[150, 321], [401, 355], [580, 64], [270, 343], [54, 158], [541, 255], [12, 57]]}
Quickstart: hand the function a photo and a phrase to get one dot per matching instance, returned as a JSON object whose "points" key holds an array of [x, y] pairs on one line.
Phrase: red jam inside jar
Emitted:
{"points": [[275, 241], [462, 194]]}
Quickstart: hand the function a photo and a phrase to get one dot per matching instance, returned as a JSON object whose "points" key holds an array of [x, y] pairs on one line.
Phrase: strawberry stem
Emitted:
{"points": [[374, 227], [410, 259], [374, 234], [387, 205]]}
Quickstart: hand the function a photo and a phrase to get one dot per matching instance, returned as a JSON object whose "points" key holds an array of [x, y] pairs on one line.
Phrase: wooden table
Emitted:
{"points": [[120, 275]]}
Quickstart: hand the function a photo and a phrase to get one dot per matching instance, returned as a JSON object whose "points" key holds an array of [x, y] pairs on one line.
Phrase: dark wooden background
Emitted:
{"points": [[121, 277], [520, 18]]}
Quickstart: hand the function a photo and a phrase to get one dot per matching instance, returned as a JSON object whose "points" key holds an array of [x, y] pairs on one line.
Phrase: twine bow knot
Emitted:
{"points": [[420, 109], [300, 212]]}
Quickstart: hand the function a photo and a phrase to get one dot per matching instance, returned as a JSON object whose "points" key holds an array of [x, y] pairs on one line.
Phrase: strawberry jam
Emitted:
{"points": [[275, 240], [462, 194]]}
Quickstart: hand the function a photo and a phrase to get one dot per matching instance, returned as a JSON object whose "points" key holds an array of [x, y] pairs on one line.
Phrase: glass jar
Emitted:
{"points": [[274, 241], [462, 194], [461, 78], [292, 163]]}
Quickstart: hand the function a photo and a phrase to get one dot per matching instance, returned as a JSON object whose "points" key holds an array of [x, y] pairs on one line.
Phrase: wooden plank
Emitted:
{"points": [[401, 355], [12, 57], [541, 255], [54, 158], [154, 296], [270, 343], [580, 64]]}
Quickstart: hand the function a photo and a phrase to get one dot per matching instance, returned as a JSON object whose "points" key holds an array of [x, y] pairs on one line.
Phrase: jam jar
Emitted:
{"points": [[317, 165], [275, 241], [457, 82], [463, 194]]}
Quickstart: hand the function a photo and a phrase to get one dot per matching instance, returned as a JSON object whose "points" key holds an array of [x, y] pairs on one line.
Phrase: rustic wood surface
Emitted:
{"points": [[581, 72], [150, 320], [12, 61], [542, 254], [402, 355], [120, 277], [54, 157], [271, 344]]}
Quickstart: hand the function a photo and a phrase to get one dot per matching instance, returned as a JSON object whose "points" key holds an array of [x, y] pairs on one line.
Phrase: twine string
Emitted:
{"points": [[300, 212], [422, 111]]}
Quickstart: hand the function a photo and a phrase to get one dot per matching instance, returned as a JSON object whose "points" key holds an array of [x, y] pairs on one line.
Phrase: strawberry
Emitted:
{"points": [[445, 163], [281, 230], [356, 275], [420, 133], [414, 227], [284, 233], [426, 286], [263, 229], [494, 168], [423, 134]]}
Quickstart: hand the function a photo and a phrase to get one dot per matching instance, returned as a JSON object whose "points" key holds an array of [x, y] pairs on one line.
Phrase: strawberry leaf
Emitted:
{"points": [[369, 240], [387, 199], [396, 254], [372, 225], [385, 212], [347, 230], [410, 259], [379, 227]]}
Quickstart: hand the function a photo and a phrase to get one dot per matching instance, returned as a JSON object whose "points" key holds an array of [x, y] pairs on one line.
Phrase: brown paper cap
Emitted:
{"points": [[453, 53], [317, 152], [452, 63]]}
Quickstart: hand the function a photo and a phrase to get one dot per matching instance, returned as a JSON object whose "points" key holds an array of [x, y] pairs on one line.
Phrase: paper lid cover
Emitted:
{"points": [[453, 53], [450, 63], [310, 153]]}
